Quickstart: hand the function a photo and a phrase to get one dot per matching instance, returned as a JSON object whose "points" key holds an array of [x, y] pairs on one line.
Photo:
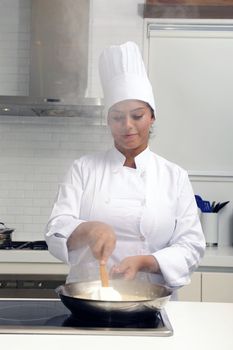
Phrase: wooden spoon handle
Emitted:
{"points": [[104, 276]]}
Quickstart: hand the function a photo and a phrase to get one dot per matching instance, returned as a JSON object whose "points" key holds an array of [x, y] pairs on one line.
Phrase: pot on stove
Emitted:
{"points": [[5, 236]]}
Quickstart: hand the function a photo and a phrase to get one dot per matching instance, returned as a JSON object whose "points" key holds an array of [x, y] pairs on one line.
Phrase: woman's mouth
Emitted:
{"points": [[129, 136]]}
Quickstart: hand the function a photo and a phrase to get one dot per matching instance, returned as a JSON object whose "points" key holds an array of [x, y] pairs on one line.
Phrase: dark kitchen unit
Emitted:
{"points": [[29, 285], [50, 316]]}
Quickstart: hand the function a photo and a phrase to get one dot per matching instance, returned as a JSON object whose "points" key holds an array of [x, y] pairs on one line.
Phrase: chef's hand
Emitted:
{"points": [[129, 266], [101, 240], [99, 236]]}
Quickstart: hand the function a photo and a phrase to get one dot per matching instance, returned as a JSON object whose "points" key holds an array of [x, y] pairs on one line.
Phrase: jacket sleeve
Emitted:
{"points": [[185, 249], [65, 214]]}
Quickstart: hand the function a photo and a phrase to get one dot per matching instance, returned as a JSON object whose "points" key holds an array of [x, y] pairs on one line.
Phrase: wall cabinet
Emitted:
{"points": [[188, 9], [208, 287]]}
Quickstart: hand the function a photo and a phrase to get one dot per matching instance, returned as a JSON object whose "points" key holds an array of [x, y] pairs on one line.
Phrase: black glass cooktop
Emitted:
{"points": [[22, 245], [50, 316]]}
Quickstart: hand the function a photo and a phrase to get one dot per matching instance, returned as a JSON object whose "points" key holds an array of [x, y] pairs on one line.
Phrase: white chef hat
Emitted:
{"points": [[123, 75]]}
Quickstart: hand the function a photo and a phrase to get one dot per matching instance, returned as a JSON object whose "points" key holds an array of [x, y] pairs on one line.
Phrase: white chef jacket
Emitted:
{"points": [[151, 208]]}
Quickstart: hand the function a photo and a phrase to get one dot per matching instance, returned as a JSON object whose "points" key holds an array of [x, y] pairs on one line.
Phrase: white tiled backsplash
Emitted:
{"points": [[34, 156], [14, 46]]}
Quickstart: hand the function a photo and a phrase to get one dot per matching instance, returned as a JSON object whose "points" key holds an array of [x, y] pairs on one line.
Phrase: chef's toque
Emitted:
{"points": [[123, 75]]}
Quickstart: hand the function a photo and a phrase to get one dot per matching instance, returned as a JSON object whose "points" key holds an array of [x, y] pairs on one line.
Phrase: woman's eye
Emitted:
{"points": [[117, 118], [137, 117]]}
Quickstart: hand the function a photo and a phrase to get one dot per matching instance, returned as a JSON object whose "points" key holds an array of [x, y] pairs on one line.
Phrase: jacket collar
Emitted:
{"points": [[117, 159]]}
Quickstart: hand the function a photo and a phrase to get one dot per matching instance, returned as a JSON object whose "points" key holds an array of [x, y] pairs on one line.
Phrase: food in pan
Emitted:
{"points": [[108, 294]]}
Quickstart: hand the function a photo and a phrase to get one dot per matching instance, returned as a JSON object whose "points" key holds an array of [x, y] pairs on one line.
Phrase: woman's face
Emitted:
{"points": [[130, 123]]}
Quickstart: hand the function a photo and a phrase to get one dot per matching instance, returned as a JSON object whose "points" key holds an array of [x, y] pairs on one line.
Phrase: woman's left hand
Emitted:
{"points": [[129, 266]]}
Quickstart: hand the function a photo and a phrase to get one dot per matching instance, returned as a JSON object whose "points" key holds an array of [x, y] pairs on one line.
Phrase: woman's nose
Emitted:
{"points": [[127, 122]]}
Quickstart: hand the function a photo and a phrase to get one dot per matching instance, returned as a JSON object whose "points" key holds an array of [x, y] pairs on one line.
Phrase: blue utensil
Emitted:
{"points": [[206, 207], [199, 202]]}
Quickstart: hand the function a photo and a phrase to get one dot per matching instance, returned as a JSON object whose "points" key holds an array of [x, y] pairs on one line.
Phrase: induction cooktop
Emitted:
{"points": [[24, 245], [50, 316]]}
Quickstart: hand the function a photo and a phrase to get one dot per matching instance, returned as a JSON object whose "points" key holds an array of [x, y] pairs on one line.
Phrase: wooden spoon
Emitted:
{"points": [[103, 275]]}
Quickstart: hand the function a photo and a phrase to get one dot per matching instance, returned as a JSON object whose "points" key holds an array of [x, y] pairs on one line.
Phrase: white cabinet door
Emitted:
{"points": [[191, 292], [217, 287], [190, 66]]}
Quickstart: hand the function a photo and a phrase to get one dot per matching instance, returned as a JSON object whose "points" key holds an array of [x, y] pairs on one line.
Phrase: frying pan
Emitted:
{"points": [[155, 296]]}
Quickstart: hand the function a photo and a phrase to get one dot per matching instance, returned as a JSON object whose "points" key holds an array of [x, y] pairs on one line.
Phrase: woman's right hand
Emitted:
{"points": [[99, 236], [101, 240]]}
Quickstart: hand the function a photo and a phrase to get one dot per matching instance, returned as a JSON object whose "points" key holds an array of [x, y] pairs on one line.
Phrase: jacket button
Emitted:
{"points": [[143, 174], [142, 238]]}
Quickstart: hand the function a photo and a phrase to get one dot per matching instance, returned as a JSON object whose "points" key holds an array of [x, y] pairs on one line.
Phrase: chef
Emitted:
{"points": [[127, 207]]}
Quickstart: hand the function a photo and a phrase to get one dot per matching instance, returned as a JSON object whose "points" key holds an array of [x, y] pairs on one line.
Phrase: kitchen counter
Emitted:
{"points": [[196, 326], [218, 257], [35, 261], [30, 261]]}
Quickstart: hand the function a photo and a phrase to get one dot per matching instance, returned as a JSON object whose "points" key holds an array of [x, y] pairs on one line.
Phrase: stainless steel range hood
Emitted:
{"points": [[91, 108], [58, 78], [59, 49]]}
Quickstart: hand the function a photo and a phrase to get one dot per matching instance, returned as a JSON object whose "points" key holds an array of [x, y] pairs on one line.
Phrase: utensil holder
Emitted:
{"points": [[209, 222]]}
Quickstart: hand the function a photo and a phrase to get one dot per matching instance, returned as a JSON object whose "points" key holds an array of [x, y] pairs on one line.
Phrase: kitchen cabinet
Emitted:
{"points": [[208, 287], [191, 292], [190, 2], [217, 287], [179, 56], [188, 9]]}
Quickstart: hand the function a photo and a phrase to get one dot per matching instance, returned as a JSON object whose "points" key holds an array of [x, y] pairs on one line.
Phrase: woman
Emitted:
{"points": [[127, 207]]}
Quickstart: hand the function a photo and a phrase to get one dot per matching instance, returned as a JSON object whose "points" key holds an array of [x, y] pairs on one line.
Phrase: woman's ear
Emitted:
{"points": [[152, 114], [152, 117]]}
